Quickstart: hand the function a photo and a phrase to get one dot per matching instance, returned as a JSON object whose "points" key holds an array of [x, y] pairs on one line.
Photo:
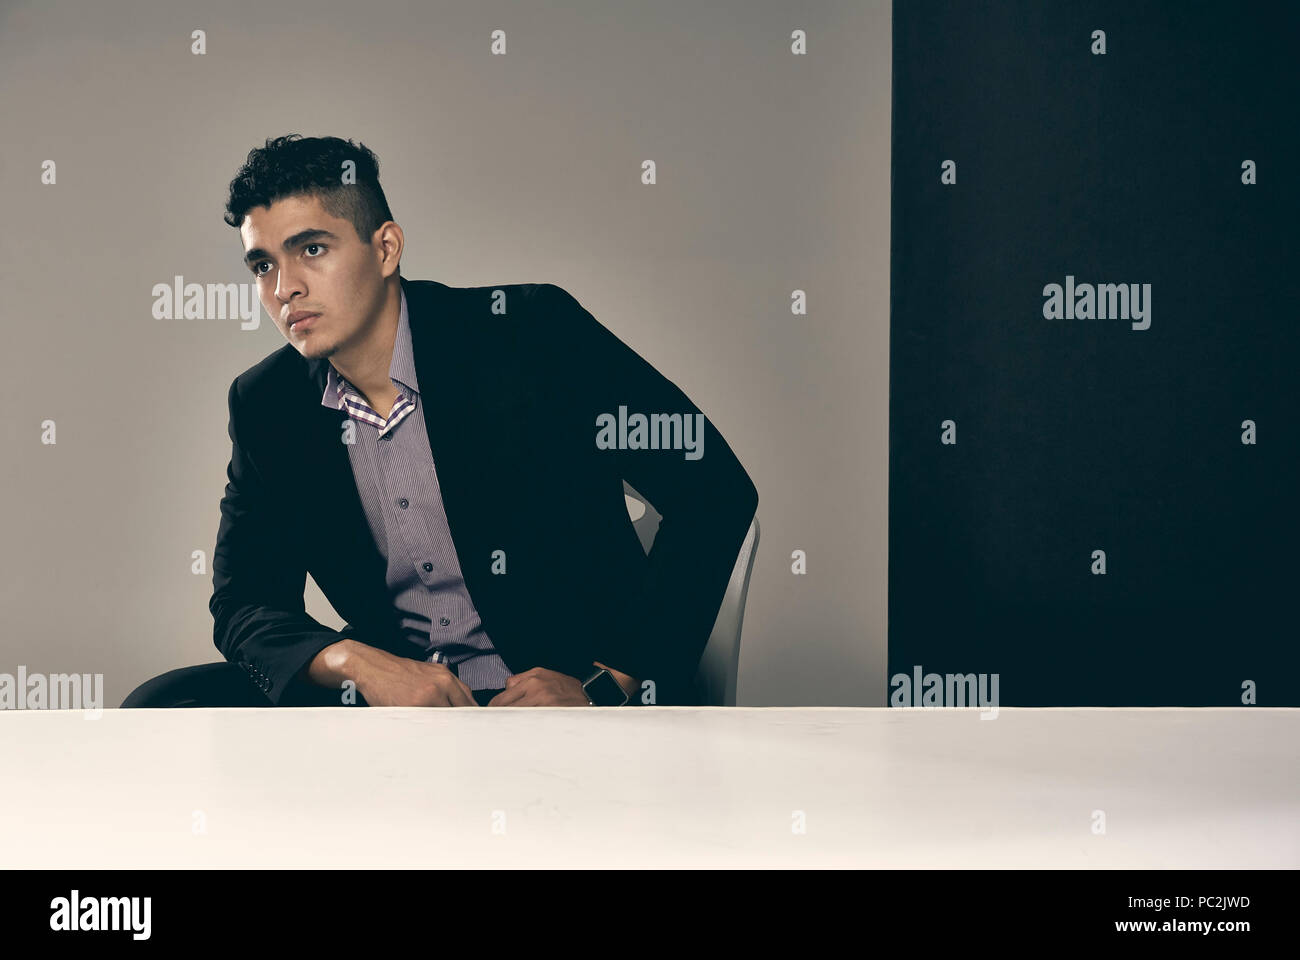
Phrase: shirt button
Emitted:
{"points": [[403, 503], [444, 621], [427, 566]]}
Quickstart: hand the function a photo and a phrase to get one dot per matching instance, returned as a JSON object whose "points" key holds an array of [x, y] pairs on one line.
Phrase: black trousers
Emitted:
{"points": [[226, 685]]}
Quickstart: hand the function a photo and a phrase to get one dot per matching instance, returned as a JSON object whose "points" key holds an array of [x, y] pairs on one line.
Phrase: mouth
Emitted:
{"points": [[301, 321]]}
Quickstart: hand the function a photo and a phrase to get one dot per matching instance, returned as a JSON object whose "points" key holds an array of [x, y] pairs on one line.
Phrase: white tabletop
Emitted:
{"points": [[650, 787]]}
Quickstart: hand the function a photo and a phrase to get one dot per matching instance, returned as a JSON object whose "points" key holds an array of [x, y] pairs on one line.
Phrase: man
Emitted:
{"points": [[442, 461]]}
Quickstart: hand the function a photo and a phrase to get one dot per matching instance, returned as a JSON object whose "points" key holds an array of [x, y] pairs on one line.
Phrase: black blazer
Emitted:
{"points": [[510, 403]]}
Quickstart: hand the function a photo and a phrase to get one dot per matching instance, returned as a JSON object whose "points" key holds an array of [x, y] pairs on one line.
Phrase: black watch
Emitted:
{"points": [[604, 691]]}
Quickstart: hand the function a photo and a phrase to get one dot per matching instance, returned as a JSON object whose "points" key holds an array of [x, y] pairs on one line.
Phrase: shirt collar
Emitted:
{"points": [[401, 370]]}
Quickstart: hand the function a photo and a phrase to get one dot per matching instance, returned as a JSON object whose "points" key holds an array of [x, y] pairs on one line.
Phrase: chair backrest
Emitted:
{"points": [[720, 662]]}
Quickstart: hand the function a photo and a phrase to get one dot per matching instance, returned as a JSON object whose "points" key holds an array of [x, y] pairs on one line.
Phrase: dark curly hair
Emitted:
{"points": [[293, 165]]}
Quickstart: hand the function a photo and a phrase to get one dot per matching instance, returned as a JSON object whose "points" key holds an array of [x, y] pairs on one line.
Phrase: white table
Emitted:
{"points": [[660, 787]]}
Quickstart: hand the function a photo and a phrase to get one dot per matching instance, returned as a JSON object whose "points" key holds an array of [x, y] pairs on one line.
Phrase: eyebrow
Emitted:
{"points": [[298, 239]]}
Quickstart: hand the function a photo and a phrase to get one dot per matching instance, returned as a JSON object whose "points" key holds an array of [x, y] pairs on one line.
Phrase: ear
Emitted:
{"points": [[388, 243]]}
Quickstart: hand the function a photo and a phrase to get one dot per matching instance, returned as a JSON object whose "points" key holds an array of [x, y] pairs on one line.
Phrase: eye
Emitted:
{"points": [[257, 268], [318, 246]]}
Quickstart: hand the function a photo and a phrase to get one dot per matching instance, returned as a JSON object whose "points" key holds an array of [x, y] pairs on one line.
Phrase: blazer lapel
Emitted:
{"points": [[441, 362]]}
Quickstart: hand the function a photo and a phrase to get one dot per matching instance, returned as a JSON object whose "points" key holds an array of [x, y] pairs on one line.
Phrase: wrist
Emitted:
{"points": [[629, 683], [340, 656], [326, 667], [355, 661], [362, 663]]}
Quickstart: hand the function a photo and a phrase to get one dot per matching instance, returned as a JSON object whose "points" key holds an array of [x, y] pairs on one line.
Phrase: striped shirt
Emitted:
{"points": [[398, 483]]}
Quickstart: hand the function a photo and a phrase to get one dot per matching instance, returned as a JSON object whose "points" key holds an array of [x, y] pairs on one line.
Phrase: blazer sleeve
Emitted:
{"points": [[258, 578], [706, 504]]}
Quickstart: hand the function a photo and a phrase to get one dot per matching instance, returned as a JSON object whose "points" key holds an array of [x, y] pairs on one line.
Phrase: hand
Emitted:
{"points": [[540, 687], [387, 680]]}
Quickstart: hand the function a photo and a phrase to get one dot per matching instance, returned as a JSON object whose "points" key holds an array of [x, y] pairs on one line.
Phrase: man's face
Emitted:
{"points": [[313, 266]]}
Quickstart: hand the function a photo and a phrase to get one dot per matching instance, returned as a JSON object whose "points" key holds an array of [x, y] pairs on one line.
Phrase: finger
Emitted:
{"points": [[509, 696], [516, 677], [460, 695]]}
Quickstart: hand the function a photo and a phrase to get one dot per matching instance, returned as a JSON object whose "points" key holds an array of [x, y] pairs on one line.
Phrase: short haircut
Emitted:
{"points": [[294, 166]]}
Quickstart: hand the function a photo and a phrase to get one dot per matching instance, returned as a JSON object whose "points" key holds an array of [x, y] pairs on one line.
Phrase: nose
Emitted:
{"points": [[288, 285]]}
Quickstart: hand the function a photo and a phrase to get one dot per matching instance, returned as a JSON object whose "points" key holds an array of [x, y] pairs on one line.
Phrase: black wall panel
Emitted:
{"points": [[1083, 434]]}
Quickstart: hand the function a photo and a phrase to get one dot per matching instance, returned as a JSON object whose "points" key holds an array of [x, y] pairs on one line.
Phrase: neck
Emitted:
{"points": [[366, 363]]}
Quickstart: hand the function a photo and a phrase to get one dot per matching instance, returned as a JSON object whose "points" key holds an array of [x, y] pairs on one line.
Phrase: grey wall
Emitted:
{"points": [[773, 175]]}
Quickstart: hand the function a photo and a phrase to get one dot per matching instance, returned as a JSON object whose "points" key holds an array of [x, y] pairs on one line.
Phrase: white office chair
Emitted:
{"points": [[720, 662]]}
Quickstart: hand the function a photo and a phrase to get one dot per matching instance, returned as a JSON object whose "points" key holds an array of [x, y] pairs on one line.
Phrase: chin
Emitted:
{"points": [[313, 352]]}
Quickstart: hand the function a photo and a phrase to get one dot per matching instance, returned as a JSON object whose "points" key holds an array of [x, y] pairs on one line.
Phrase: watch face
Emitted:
{"points": [[604, 691]]}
